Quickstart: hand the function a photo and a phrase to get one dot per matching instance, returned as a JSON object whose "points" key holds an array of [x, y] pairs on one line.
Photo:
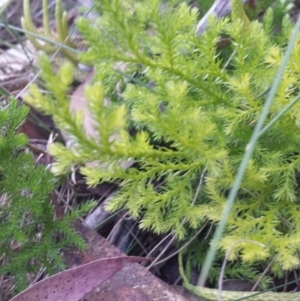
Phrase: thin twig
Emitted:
{"points": [[220, 284], [263, 274]]}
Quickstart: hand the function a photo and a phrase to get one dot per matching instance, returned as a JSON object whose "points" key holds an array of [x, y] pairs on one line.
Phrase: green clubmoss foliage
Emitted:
{"points": [[31, 237], [181, 108]]}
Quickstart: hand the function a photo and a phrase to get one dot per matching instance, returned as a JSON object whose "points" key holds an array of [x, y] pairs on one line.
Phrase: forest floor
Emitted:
{"points": [[18, 68]]}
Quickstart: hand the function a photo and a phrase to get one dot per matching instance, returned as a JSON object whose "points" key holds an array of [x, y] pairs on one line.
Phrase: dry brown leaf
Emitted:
{"points": [[74, 284], [78, 102], [133, 280]]}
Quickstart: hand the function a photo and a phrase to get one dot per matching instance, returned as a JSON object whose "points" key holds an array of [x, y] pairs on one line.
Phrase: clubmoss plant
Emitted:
{"points": [[61, 38], [31, 237], [182, 109]]}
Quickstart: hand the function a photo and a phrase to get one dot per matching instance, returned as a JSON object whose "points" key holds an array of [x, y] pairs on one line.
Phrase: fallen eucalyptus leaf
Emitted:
{"points": [[74, 284]]}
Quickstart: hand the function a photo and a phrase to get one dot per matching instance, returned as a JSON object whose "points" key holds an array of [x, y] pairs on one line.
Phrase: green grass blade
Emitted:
{"points": [[248, 154]]}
